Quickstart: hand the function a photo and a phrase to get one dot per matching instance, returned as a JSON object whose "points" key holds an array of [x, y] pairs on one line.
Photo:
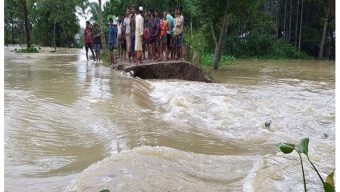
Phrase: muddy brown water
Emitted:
{"points": [[72, 125]]}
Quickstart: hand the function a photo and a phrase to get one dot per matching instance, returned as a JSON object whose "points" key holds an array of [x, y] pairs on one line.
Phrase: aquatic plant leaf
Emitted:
{"points": [[286, 147], [303, 146], [330, 179], [328, 187]]}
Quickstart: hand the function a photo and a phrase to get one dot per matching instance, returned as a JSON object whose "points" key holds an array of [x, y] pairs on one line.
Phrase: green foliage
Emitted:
{"points": [[207, 59], [105, 190], [328, 187], [303, 146], [287, 148], [330, 178], [32, 49], [42, 16], [255, 27]]}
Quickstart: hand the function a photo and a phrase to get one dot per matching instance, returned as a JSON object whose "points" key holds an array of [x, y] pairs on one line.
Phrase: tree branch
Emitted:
{"points": [[212, 31], [226, 29]]}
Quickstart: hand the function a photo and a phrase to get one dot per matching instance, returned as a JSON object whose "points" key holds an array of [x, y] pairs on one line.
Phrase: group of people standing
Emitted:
{"points": [[161, 37]]}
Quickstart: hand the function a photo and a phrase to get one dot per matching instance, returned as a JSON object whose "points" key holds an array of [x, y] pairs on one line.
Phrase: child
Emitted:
{"points": [[164, 37], [153, 37], [97, 41], [119, 36], [123, 42], [111, 41], [146, 41], [88, 40]]}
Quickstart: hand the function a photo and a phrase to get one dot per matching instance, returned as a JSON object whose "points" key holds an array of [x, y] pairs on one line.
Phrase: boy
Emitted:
{"points": [[133, 31], [179, 33], [123, 42], [111, 41], [97, 41], [170, 19], [153, 37], [119, 36], [127, 32], [88, 40], [146, 38], [158, 40]]}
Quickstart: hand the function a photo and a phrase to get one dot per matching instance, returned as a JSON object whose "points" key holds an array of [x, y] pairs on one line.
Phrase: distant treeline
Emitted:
{"points": [[238, 28]]}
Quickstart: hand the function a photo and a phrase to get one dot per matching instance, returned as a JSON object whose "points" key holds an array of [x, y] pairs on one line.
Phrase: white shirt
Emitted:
{"points": [[139, 25], [119, 29], [127, 25]]}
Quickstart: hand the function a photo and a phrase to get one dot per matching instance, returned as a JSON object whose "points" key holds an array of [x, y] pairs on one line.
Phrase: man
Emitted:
{"points": [[133, 31], [127, 32], [153, 37], [97, 41], [178, 33], [111, 41], [123, 42], [146, 38], [170, 19], [158, 40], [139, 34], [119, 36], [88, 40]]}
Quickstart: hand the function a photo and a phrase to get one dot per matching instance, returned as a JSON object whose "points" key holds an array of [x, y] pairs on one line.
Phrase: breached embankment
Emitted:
{"points": [[166, 70]]}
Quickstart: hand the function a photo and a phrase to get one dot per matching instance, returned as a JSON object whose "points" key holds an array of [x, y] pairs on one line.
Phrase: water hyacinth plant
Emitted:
{"points": [[302, 148]]}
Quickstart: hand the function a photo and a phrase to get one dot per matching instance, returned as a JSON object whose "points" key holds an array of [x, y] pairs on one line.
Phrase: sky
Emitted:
{"points": [[82, 19]]}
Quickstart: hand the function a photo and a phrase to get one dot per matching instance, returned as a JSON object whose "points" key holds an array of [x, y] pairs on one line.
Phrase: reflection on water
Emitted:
{"points": [[68, 119]]}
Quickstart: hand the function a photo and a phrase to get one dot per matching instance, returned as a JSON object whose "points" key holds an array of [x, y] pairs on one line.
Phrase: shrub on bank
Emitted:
{"points": [[32, 49]]}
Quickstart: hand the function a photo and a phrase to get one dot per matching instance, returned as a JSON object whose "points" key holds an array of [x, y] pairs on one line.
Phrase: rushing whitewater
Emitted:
{"points": [[77, 126]]}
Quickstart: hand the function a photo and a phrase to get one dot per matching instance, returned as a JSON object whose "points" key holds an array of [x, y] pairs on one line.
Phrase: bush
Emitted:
{"points": [[32, 49], [207, 59], [204, 46]]}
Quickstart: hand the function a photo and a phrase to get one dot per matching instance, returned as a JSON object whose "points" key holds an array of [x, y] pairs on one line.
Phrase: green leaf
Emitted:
{"points": [[303, 146], [105, 190], [286, 147], [328, 187], [330, 179]]}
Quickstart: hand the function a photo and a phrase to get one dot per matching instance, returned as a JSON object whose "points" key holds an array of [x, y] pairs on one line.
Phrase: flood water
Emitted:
{"points": [[77, 126]]}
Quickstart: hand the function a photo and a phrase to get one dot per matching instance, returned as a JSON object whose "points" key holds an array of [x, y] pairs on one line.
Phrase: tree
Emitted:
{"points": [[296, 22], [284, 22], [219, 44], [301, 14], [322, 43], [27, 24], [101, 23], [214, 13], [290, 19]]}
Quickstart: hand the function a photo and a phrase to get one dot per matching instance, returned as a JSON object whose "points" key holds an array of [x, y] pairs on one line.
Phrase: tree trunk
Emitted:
{"points": [[27, 29], [101, 24], [284, 21], [47, 41], [301, 14], [54, 30], [213, 32], [296, 23], [324, 34], [277, 20], [65, 36], [290, 20], [223, 33]]}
